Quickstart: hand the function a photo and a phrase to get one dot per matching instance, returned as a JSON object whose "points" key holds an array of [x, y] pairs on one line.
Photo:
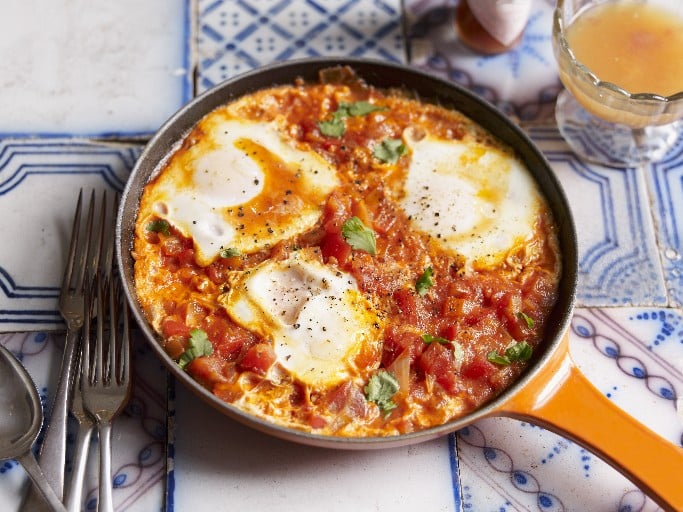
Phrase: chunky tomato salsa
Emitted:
{"points": [[346, 260]]}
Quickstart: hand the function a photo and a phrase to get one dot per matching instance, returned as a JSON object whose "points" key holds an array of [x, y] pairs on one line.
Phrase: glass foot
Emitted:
{"points": [[614, 145]]}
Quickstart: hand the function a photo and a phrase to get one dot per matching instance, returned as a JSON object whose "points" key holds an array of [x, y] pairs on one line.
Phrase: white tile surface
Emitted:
{"points": [[92, 67]]}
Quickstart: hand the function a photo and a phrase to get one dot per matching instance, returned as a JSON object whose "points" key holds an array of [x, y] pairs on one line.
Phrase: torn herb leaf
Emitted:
{"points": [[359, 236], [159, 226], [198, 346], [425, 281], [381, 387], [389, 150], [520, 351]]}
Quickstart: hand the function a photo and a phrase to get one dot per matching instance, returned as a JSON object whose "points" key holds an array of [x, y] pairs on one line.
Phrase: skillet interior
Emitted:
{"points": [[381, 75]]}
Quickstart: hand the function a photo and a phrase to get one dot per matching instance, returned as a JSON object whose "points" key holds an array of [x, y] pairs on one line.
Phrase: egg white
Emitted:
{"points": [[317, 318], [242, 186], [473, 198]]}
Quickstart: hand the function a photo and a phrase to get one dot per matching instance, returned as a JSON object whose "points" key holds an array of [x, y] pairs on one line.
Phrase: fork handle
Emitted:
{"points": [[106, 501], [74, 492], [53, 450]]}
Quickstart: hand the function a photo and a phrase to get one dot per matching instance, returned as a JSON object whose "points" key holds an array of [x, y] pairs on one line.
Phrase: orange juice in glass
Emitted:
{"points": [[621, 62]]}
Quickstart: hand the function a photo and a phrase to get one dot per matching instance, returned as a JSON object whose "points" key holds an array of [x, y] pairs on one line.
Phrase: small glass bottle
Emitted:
{"points": [[491, 26]]}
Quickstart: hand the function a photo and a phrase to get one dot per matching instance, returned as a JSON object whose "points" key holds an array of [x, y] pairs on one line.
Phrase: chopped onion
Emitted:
{"points": [[400, 368]]}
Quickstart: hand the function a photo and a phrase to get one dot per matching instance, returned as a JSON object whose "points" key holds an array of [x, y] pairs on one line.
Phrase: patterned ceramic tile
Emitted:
{"points": [[522, 82], [619, 263], [631, 356], [666, 186], [94, 68], [39, 183], [139, 469], [239, 35]]}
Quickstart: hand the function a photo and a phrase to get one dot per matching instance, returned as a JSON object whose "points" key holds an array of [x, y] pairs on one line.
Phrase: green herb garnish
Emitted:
{"points": [[198, 346], [389, 150], [520, 351], [231, 252], [381, 387], [529, 321], [359, 236], [159, 226], [429, 339], [336, 127], [425, 281]]}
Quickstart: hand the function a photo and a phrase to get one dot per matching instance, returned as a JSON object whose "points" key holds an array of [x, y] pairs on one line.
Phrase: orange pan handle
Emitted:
{"points": [[560, 398]]}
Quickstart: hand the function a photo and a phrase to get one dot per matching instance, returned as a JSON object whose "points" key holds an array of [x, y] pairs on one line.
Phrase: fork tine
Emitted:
{"points": [[85, 251], [75, 235], [124, 372], [98, 369]]}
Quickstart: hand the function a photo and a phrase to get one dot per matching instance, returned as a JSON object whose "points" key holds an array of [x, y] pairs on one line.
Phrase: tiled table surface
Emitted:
{"points": [[83, 84]]}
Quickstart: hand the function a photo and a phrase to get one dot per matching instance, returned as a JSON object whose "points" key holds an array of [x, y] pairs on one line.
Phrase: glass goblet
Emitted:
{"points": [[600, 120]]}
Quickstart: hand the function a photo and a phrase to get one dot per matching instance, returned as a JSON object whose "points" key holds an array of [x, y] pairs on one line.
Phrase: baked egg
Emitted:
{"points": [[241, 186], [318, 319], [476, 199]]}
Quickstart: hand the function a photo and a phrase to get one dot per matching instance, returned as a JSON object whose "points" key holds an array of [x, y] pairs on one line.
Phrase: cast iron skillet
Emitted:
{"points": [[552, 393]]}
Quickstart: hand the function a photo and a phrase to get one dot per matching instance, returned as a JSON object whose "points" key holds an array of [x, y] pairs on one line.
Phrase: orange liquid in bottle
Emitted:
{"points": [[637, 46]]}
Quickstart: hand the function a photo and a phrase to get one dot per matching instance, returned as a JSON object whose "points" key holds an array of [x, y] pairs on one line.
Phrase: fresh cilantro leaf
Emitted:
{"points": [[230, 252], [198, 346], [529, 321], [389, 150], [429, 339], [159, 226], [520, 351], [336, 126], [359, 236], [359, 108], [425, 281], [381, 387]]}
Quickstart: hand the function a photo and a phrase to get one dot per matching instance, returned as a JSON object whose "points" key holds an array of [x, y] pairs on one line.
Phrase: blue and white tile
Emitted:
{"points": [[522, 82], [237, 36], [666, 187], [632, 355], [39, 184], [139, 433], [619, 261], [97, 68]]}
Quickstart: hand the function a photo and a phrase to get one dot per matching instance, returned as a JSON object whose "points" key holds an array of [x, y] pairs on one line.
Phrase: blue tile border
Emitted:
{"points": [[619, 263], [25, 168]]}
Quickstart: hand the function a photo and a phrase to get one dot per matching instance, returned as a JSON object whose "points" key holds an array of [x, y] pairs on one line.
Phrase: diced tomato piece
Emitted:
{"points": [[186, 257], [316, 421], [207, 370], [437, 360], [406, 300], [258, 358], [397, 340], [174, 327], [333, 245], [227, 338], [479, 368]]}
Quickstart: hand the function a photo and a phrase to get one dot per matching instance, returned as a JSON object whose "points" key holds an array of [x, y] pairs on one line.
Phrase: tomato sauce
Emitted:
{"points": [[437, 343]]}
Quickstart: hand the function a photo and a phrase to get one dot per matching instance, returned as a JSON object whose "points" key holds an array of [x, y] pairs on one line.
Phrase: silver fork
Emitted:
{"points": [[103, 257], [72, 308], [105, 377]]}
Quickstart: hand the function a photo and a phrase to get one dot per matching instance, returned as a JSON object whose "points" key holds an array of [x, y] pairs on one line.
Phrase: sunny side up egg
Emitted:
{"points": [[477, 200], [319, 321], [242, 187]]}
